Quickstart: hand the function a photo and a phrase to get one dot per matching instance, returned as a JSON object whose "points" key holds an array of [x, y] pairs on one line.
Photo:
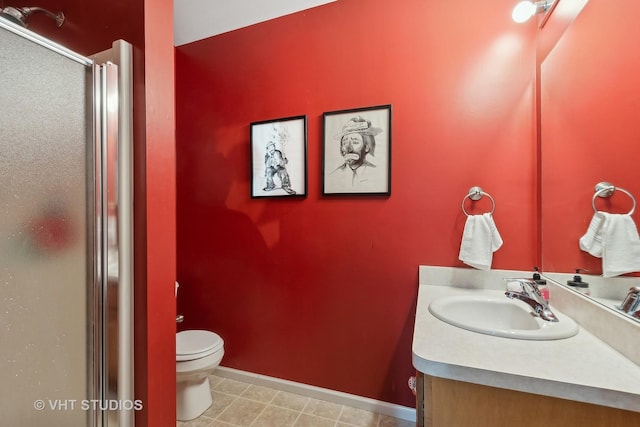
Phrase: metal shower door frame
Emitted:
{"points": [[114, 380]]}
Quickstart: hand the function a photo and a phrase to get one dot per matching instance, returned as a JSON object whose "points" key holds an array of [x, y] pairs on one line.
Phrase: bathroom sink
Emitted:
{"points": [[492, 313]]}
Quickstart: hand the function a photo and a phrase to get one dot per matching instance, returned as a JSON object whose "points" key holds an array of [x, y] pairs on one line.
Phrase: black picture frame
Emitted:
{"points": [[279, 157], [356, 152]]}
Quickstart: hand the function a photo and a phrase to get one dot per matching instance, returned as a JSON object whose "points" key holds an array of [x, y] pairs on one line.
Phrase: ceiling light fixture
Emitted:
{"points": [[526, 9]]}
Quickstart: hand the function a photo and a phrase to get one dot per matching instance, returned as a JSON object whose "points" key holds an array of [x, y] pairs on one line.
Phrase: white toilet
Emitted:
{"points": [[198, 354]]}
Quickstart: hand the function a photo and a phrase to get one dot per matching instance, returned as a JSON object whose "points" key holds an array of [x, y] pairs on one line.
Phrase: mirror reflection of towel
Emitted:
{"points": [[614, 238], [480, 239]]}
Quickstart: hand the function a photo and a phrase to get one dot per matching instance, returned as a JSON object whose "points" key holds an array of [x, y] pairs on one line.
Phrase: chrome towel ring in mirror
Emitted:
{"points": [[475, 194], [606, 189]]}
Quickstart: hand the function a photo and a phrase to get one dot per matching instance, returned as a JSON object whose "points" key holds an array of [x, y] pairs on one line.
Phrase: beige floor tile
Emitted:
{"points": [[323, 409], [387, 421], [201, 421], [229, 386], [274, 416], [259, 393], [306, 420], [214, 380], [358, 417], [220, 402], [241, 412], [290, 401]]}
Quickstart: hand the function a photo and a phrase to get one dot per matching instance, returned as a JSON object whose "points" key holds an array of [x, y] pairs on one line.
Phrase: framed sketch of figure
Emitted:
{"points": [[279, 157], [357, 151]]}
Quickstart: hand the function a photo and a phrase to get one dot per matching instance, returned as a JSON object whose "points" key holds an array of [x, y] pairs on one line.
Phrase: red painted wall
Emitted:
{"points": [[322, 290], [590, 100], [91, 27], [155, 374]]}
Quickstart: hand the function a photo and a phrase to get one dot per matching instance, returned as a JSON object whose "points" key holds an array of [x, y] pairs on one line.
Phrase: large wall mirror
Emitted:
{"points": [[589, 130]]}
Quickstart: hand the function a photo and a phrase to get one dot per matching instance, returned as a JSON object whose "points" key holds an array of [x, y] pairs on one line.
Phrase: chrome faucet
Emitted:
{"points": [[530, 294], [631, 303]]}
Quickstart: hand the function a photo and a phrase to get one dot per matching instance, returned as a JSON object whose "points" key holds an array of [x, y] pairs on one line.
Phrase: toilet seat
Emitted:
{"points": [[195, 344]]}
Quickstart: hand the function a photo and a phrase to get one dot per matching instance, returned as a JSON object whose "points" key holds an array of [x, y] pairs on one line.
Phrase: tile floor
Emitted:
{"points": [[240, 404]]}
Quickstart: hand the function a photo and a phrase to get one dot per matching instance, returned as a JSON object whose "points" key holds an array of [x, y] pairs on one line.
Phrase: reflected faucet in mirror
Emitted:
{"points": [[631, 303]]}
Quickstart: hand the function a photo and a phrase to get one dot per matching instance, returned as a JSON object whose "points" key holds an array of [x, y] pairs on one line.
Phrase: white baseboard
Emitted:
{"points": [[352, 400]]}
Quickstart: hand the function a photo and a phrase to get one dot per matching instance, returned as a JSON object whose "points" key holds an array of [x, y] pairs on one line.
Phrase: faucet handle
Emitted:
{"points": [[528, 286], [519, 279], [514, 285], [524, 284]]}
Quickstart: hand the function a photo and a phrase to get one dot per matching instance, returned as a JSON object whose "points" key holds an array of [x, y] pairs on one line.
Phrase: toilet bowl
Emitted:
{"points": [[198, 354]]}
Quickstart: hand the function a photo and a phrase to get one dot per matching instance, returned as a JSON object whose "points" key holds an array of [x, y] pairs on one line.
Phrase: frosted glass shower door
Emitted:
{"points": [[46, 236]]}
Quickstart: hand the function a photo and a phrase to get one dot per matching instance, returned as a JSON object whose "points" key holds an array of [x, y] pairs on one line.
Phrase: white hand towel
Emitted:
{"points": [[621, 248], [480, 239], [614, 238], [591, 242]]}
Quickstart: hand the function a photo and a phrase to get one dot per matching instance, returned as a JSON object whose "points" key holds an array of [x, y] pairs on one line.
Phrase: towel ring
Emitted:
{"points": [[476, 193], [606, 189]]}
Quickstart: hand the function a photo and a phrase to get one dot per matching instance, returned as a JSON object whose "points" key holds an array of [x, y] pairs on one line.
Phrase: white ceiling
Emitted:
{"points": [[199, 19]]}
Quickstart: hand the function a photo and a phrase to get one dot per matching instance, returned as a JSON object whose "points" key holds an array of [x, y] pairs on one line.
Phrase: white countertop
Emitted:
{"points": [[580, 368]]}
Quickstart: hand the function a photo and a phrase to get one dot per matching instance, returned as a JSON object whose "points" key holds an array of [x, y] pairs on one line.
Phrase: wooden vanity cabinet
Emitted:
{"points": [[449, 403]]}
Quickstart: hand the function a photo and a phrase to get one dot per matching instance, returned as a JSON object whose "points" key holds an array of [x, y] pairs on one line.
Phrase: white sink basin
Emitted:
{"points": [[492, 313]]}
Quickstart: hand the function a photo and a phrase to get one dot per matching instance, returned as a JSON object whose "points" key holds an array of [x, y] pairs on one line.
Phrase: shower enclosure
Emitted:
{"points": [[66, 272]]}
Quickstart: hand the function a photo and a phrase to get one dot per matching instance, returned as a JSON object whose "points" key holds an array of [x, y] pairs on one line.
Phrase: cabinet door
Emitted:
{"points": [[450, 403]]}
